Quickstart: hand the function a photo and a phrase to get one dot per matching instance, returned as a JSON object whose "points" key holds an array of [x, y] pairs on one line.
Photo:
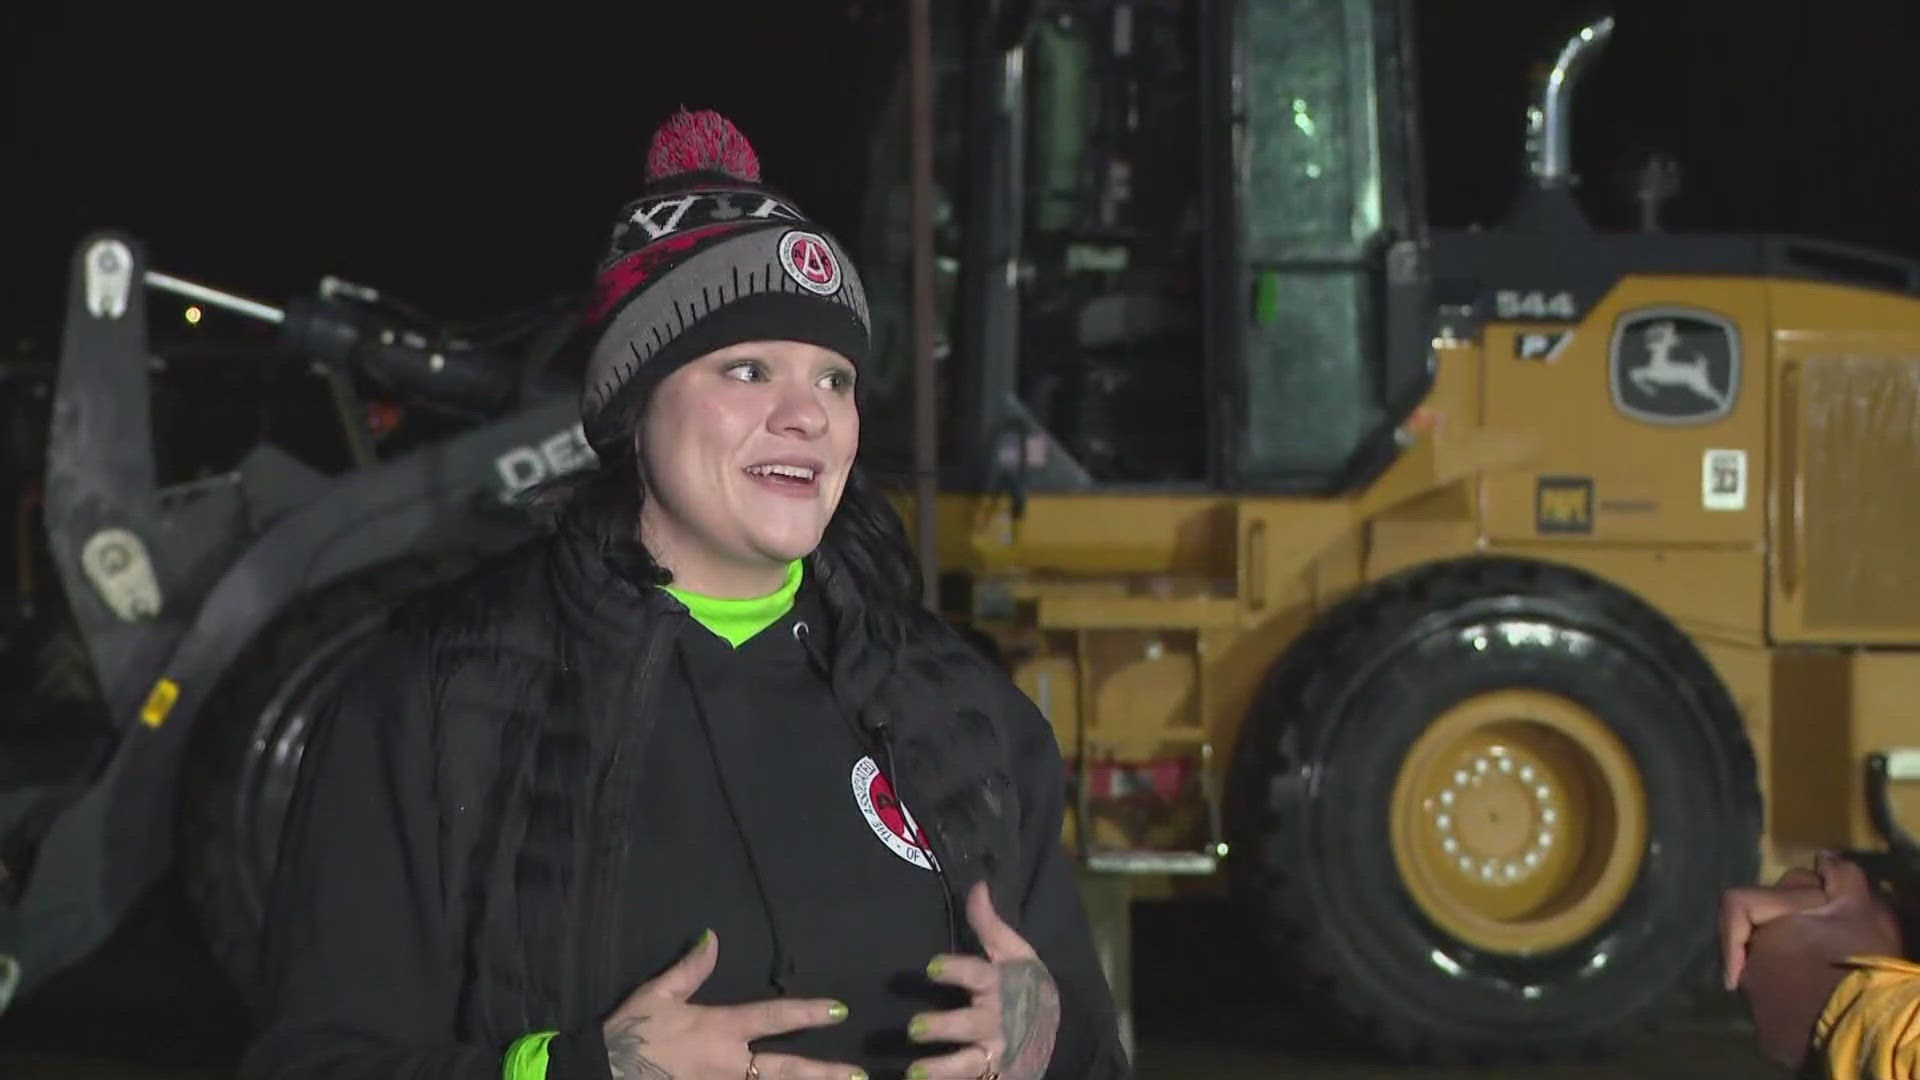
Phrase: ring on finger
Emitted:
{"points": [[753, 1068]]}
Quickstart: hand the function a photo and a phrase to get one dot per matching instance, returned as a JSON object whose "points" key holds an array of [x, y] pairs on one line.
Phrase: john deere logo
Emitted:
{"points": [[1671, 365], [1563, 504]]}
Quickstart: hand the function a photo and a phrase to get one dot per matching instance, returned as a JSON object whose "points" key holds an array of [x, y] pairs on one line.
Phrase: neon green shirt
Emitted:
{"points": [[737, 621]]}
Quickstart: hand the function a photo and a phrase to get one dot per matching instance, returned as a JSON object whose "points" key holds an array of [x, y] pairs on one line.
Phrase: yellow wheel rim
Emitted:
{"points": [[1518, 821]]}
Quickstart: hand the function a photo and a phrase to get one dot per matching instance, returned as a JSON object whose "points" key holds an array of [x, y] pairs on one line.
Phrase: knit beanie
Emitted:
{"points": [[706, 257]]}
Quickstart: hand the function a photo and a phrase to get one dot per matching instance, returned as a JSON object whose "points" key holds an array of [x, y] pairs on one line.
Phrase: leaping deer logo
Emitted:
{"points": [[1661, 369]]}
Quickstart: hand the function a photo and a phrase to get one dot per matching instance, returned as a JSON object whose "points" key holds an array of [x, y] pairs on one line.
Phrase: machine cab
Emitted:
{"points": [[1180, 246]]}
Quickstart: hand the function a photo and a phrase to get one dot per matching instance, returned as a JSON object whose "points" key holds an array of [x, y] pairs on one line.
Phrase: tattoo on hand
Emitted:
{"points": [[624, 1058], [1029, 1018]]}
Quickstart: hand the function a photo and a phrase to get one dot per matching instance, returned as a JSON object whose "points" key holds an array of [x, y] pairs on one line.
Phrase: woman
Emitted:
{"points": [[692, 788]]}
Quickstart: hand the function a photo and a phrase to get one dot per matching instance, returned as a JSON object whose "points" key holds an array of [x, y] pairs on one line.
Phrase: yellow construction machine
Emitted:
{"points": [[1475, 605]]}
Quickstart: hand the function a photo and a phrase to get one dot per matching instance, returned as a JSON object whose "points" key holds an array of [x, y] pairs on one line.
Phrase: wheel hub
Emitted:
{"points": [[1518, 821], [1496, 816]]}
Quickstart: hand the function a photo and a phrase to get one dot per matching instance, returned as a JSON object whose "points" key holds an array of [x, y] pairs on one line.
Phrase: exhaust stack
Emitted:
{"points": [[1549, 143]]}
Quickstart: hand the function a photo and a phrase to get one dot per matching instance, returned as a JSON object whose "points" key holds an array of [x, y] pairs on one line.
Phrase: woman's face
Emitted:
{"points": [[746, 452]]}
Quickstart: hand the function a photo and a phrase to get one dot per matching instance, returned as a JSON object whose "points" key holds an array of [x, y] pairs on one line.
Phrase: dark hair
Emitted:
{"points": [[865, 539]]}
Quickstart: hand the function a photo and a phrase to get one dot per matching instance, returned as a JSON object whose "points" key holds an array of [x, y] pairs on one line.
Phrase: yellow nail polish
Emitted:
{"points": [[917, 1029], [837, 1012], [918, 1072], [859, 1074], [933, 968], [706, 938]]}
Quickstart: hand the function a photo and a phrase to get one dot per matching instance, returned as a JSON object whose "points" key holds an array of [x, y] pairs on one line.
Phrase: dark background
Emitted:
{"points": [[471, 162]]}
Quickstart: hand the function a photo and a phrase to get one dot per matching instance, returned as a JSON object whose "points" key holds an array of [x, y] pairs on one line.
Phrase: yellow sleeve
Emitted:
{"points": [[1870, 1028]]}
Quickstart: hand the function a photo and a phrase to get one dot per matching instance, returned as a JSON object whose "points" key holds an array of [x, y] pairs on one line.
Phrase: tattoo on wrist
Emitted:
{"points": [[624, 1059], [1029, 1018]]}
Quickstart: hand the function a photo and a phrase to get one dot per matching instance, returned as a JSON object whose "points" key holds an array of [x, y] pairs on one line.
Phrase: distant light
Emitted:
{"points": [[193, 315]]}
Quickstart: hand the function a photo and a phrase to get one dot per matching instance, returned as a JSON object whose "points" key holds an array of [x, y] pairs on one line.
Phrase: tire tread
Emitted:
{"points": [[1295, 700]]}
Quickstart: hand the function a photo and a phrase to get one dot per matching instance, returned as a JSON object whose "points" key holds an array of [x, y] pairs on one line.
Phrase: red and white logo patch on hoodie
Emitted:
{"points": [[888, 817]]}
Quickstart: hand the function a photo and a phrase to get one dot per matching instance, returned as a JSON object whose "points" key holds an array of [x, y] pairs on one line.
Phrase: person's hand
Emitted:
{"points": [[1015, 1012], [1794, 960], [657, 1035], [1749, 907]]}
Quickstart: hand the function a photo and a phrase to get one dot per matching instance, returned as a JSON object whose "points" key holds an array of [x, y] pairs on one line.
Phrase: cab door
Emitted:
{"points": [[1320, 300]]}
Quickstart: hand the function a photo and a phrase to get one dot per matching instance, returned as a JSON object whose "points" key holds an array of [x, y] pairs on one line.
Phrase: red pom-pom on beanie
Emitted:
{"points": [[701, 141]]}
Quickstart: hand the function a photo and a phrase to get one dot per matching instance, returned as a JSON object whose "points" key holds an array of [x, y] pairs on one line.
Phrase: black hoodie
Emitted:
{"points": [[539, 787], [761, 801]]}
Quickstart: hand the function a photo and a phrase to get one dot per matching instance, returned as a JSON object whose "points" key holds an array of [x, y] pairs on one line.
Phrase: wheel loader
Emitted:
{"points": [[1471, 606]]}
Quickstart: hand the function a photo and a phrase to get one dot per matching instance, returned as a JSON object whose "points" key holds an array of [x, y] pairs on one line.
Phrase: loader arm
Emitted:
{"points": [[190, 584]]}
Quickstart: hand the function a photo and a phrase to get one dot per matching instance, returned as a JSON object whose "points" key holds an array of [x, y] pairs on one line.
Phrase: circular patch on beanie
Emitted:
{"points": [[808, 259]]}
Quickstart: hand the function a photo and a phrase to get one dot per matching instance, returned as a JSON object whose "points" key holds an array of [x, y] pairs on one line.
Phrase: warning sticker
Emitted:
{"points": [[1723, 480]]}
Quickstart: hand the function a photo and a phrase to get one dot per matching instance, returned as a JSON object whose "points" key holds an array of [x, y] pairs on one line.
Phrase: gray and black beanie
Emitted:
{"points": [[708, 257]]}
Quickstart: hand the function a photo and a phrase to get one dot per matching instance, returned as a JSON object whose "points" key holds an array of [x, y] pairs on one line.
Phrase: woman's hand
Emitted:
{"points": [[657, 1035], [1015, 1014]]}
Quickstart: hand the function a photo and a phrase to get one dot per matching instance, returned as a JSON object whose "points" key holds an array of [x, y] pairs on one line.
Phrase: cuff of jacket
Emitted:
{"points": [[580, 1054]]}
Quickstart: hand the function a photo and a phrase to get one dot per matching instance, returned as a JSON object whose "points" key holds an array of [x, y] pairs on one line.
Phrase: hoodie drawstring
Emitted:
{"points": [[782, 963]]}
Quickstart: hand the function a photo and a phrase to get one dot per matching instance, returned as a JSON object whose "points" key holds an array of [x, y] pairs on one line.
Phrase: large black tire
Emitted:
{"points": [[245, 755], [1313, 825]]}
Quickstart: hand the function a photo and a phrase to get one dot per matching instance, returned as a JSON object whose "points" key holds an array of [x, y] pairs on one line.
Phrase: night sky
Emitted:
{"points": [[471, 162]]}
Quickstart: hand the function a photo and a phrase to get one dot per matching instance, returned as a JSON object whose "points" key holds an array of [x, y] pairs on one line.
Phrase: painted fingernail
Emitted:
{"points": [[918, 1029], [836, 1012], [933, 968], [918, 1072], [859, 1074], [706, 938]]}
